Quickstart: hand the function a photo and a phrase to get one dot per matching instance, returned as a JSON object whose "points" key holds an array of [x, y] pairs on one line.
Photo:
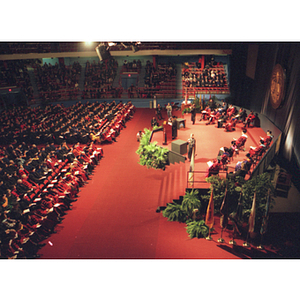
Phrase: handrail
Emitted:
{"points": [[264, 162], [191, 182]]}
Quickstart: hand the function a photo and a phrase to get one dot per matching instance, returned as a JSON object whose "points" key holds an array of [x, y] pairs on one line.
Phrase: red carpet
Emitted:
{"points": [[115, 215]]}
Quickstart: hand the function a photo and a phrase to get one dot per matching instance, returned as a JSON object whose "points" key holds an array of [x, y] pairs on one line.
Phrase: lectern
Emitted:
{"points": [[167, 132]]}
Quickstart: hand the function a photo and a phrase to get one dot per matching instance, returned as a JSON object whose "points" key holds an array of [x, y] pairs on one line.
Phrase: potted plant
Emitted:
{"points": [[151, 155], [190, 202], [186, 110], [174, 212], [197, 229]]}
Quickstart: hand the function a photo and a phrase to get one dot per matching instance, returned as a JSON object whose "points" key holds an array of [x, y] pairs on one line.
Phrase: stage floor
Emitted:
{"points": [[209, 140]]}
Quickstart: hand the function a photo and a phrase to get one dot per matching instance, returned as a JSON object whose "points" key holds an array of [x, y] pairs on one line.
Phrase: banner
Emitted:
{"points": [[264, 223], [224, 211], [192, 166], [209, 220], [251, 220]]}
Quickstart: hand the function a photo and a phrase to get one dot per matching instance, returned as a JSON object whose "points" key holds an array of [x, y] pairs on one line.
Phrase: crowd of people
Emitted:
{"points": [[39, 182], [226, 117], [156, 75], [132, 66], [99, 78], [58, 81], [243, 167], [61, 82], [211, 75], [15, 73]]}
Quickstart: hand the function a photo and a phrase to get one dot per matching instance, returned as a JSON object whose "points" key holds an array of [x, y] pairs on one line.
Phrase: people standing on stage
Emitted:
{"points": [[193, 113], [191, 146], [169, 110], [158, 112]]}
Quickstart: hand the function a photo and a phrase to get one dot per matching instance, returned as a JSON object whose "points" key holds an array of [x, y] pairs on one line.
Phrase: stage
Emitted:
{"points": [[209, 140]]}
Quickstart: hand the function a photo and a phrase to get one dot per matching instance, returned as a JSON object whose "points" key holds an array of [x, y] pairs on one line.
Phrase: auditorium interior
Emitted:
{"points": [[94, 200]]}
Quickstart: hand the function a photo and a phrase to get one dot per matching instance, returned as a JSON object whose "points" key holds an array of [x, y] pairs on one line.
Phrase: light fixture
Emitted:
{"points": [[102, 52]]}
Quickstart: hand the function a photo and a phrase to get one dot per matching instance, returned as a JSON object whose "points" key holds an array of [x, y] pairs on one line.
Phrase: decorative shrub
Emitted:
{"points": [[197, 229], [174, 212], [151, 155]]}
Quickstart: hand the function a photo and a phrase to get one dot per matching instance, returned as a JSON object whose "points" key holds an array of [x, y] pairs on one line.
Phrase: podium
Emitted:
{"points": [[180, 122], [167, 132], [179, 146]]}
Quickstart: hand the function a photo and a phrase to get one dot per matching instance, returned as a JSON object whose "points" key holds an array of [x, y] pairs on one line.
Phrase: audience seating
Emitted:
{"points": [[53, 171]]}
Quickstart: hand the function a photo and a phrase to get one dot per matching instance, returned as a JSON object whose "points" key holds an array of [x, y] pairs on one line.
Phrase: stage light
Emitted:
{"points": [[102, 52], [110, 44], [134, 48]]}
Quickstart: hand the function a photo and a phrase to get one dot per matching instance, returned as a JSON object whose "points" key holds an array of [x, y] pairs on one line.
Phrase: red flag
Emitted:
{"points": [[251, 220], [209, 220]]}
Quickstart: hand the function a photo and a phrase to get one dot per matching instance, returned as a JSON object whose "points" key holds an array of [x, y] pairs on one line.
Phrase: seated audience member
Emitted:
{"points": [[267, 140], [231, 111], [257, 151], [243, 167], [222, 119], [241, 115], [230, 151], [240, 142], [230, 126], [205, 113], [213, 168], [215, 115], [249, 119], [154, 122]]}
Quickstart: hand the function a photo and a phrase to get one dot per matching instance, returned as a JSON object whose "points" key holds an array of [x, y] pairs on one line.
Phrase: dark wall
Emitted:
{"points": [[254, 93]]}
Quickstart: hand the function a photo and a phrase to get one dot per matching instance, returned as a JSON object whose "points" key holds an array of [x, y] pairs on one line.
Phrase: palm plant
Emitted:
{"points": [[174, 212], [191, 202], [197, 229], [151, 155]]}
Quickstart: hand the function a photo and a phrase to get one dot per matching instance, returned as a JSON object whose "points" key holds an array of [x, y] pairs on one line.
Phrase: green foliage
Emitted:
{"points": [[191, 202], [174, 212], [197, 229], [186, 110], [198, 104], [151, 155], [261, 184], [219, 186]]}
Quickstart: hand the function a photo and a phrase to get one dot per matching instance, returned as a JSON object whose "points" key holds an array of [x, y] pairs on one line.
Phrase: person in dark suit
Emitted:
{"points": [[158, 112], [193, 113], [174, 128]]}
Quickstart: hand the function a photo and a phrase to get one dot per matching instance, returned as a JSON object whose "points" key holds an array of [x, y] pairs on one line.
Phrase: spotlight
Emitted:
{"points": [[102, 52], [134, 48]]}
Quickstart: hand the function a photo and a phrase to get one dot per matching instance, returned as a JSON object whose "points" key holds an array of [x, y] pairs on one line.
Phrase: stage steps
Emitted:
{"points": [[174, 157]]}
